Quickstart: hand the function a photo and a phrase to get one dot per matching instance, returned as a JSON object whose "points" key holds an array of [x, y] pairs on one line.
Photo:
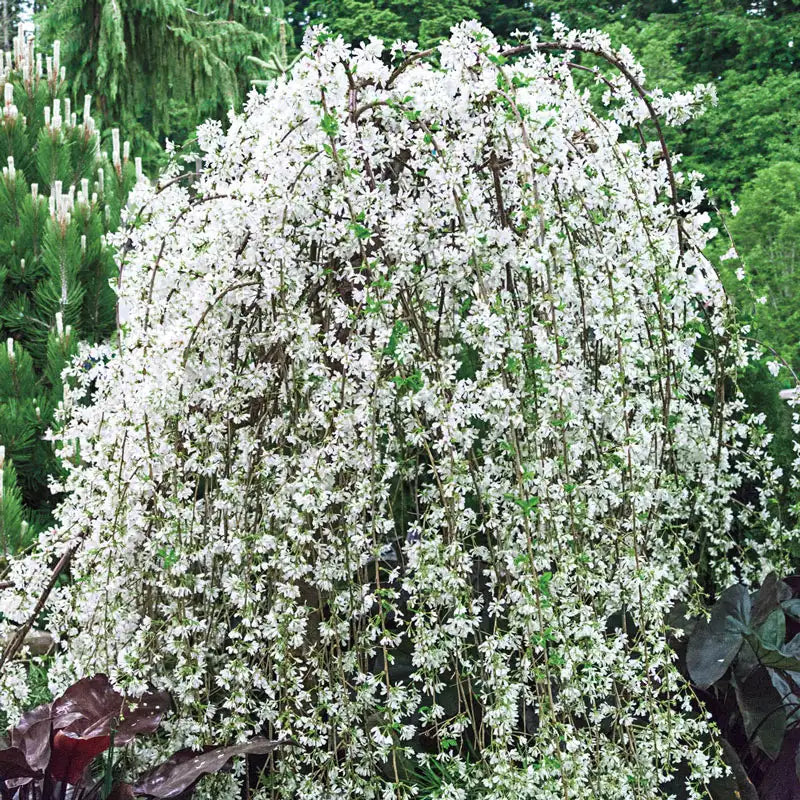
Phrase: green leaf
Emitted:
{"points": [[773, 632], [413, 382], [360, 231], [786, 657], [770, 595], [786, 684], [762, 710], [329, 124], [527, 505], [399, 330], [714, 644], [792, 608], [793, 647]]}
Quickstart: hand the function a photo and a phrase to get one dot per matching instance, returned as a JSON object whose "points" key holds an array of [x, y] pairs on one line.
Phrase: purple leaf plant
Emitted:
{"points": [[53, 746]]}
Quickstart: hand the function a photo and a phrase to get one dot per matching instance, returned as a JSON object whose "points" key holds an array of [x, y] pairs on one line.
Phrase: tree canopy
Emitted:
{"points": [[159, 67]]}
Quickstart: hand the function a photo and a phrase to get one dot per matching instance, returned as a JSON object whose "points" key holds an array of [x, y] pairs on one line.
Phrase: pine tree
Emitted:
{"points": [[271, 40], [58, 198], [159, 67], [13, 528]]}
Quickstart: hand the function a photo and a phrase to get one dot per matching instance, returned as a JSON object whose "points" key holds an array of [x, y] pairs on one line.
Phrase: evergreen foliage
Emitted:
{"points": [[10, 13], [159, 67], [13, 527], [58, 198], [762, 270], [268, 34]]}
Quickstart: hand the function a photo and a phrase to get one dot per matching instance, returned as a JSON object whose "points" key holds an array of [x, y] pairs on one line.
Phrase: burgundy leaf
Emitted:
{"points": [[186, 767], [122, 791], [72, 754], [793, 582], [92, 698], [780, 781], [13, 764], [32, 736], [100, 708], [134, 718]]}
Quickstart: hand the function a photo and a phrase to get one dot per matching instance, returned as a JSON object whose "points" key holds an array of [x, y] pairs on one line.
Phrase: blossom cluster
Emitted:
{"points": [[419, 418]]}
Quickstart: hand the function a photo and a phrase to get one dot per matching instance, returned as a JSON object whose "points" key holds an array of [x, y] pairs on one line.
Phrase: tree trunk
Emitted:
{"points": [[5, 21]]}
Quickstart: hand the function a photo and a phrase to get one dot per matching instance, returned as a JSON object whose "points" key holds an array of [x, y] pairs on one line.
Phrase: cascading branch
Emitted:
{"points": [[422, 418]]}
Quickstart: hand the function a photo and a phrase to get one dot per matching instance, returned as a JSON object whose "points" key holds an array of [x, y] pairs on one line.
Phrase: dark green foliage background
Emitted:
{"points": [[160, 67], [51, 267]]}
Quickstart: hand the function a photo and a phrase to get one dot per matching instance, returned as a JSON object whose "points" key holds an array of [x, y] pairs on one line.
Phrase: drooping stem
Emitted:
{"points": [[19, 637]]}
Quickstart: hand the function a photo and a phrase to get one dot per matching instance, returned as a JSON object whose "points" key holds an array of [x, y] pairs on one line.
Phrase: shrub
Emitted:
{"points": [[423, 417]]}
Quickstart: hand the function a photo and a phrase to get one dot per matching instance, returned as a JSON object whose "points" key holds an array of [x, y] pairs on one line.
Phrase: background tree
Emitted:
{"points": [[159, 67], [766, 232], [10, 15], [425, 22], [58, 198]]}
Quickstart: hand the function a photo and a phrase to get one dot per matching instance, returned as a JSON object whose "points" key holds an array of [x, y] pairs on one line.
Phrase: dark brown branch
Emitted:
{"points": [[638, 88], [526, 49], [401, 68], [19, 637]]}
